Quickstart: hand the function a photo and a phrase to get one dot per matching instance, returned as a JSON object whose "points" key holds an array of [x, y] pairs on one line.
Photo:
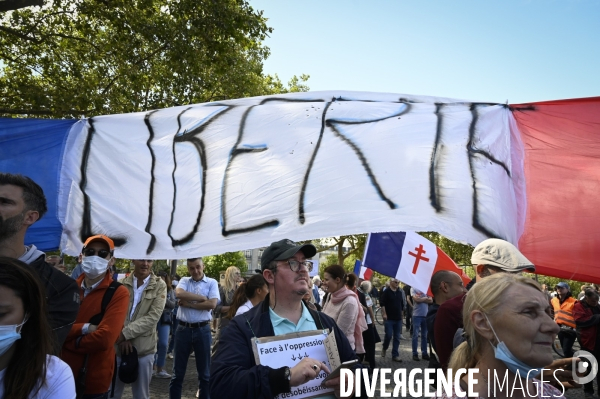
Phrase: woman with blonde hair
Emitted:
{"points": [[509, 332], [310, 301], [226, 291]]}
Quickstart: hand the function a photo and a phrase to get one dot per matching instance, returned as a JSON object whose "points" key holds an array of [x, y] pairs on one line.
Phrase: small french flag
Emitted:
{"points": [[407, 256], [362, 272]]}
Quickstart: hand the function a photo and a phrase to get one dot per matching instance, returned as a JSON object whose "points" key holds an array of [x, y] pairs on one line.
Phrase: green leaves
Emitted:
{"points": [[90, 57], [215, 264]]}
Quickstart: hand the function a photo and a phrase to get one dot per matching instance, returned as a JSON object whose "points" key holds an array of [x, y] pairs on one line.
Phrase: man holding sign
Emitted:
{"points": [[235, 371]]}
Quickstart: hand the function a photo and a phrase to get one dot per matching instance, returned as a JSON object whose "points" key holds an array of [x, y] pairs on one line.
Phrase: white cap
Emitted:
{"points": [[502, 254]]}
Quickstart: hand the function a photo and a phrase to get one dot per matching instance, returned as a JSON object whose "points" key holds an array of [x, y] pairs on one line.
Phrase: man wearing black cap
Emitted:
{"points": [[234, 372]]}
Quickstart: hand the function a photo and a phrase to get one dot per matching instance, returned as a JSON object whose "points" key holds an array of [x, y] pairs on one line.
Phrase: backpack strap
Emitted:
{"points": [[110, 291], [108, 294], [96, 319]]}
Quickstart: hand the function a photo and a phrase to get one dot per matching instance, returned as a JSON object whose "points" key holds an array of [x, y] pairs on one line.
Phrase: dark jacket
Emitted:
{"points": [[430, 320], [393, 303], [62, 294], [234, 373], [587, 320], [448, 319]]}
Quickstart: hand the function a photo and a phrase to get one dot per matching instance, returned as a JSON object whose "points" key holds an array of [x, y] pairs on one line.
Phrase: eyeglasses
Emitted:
{"points": [[295, 265], [103, 253]]}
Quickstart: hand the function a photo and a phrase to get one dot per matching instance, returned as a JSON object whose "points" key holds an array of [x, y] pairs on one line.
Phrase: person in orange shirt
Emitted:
{"points": [[90, 343], [563, 316]]}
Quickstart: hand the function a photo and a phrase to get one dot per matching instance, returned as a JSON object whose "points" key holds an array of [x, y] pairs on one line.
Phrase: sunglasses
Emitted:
{"points": [[103, 253]]}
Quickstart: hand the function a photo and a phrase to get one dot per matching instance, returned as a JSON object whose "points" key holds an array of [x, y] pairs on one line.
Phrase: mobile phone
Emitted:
{"points": [[336, 373]]}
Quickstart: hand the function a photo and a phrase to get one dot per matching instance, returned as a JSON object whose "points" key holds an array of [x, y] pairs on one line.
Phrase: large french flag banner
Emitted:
{"points": [[409, 257]]}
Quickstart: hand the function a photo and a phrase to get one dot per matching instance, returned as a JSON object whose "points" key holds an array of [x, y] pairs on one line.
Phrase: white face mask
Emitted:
{"points": [[9, 334], [94, 266]]}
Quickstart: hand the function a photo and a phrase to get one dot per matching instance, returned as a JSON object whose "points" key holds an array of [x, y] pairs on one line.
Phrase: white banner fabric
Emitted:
{"points": [[216, 177]]}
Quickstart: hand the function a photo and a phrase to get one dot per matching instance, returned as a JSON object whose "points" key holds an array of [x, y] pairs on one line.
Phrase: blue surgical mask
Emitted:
{"points": [[9, 335], [502, 353]]}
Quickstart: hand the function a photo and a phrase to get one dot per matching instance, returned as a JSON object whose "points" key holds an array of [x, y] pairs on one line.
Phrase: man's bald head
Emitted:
{"points": [[446, 285]]}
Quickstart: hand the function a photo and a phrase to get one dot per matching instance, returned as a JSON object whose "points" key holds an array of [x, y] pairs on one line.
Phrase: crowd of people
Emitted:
{"points": [[91, 335]]}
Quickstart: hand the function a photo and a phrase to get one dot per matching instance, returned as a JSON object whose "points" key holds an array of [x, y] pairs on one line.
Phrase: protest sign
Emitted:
{"points": [[289, 349]]}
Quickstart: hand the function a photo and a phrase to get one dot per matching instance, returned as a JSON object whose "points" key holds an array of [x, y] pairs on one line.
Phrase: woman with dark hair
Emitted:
{"points": [[26, 369], [370, 335], [248, 295], [343, 306], [351, 282], [164, 328]]}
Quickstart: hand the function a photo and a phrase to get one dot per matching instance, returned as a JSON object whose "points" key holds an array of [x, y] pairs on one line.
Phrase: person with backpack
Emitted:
{"points": [[89, 347]]}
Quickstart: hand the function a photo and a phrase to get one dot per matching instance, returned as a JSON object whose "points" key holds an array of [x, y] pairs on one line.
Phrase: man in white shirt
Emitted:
{"points": [[198, 295]]}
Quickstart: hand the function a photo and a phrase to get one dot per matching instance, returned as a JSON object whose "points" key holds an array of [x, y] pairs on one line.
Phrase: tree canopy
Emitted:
{"points": [[215, 264], [90, 57]]}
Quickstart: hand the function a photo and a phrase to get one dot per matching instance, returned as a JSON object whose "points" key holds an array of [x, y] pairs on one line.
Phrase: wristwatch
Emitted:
{"points": [[287, 373]]}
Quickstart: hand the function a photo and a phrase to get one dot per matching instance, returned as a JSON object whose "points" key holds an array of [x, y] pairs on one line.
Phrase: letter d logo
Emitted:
{"points": [[588, 362]]}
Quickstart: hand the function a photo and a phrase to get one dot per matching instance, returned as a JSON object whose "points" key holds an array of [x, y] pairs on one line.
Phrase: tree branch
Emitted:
{"points": [[73, 38], [113, 80], [15, 32]]}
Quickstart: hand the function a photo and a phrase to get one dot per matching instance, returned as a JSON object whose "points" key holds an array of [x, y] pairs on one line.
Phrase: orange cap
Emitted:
{"points": [[100, 237]]}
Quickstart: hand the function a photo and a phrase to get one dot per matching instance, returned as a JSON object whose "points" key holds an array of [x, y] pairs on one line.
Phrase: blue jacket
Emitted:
{"points": [[233, 371]]}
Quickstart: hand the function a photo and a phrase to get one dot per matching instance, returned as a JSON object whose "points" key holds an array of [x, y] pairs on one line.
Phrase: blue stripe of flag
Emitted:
{"points": [[357, 268], [384, 252], [34, 148]]}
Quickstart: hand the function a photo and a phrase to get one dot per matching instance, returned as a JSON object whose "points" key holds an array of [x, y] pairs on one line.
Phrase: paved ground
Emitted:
{"points": [[159, 388]]}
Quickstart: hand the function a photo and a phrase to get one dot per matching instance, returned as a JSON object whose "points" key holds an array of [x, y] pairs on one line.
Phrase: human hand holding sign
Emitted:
{"points": [[307, 369]]}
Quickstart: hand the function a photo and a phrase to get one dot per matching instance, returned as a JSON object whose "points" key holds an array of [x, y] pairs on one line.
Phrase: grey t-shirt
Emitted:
{"points": [[419, 309]]}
